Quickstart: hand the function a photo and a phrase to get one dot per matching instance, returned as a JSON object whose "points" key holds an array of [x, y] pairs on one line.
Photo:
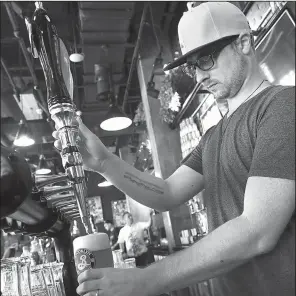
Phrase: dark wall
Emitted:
{"points": [[107, 194]]}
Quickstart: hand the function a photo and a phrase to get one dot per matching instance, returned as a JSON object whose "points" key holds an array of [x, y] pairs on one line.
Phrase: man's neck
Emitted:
{"points": [[251, 87]]}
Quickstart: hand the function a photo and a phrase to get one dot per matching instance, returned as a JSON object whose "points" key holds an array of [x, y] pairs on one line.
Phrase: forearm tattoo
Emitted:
{"points": [[144, 184]]}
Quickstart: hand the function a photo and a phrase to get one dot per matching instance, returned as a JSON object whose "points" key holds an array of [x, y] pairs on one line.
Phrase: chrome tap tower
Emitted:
{"points": [[45, 45]]}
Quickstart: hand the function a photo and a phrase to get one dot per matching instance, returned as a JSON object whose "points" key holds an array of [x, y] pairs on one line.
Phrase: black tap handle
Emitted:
{"points": [[45, 44]]}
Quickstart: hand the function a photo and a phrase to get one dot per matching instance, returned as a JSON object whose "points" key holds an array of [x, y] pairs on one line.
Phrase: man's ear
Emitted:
{"points": [[245, 43]]}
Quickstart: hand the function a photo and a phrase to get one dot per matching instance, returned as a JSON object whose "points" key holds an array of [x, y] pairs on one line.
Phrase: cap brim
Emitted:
{"points": [[178, 62], [182, 59]]}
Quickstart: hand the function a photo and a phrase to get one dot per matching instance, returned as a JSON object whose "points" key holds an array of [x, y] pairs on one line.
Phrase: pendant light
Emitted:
{"points": [[103, 82], [105, 184], [158, 64], [75, 57], [23, 138], [42, 168], [151, 90], [115, 120]]}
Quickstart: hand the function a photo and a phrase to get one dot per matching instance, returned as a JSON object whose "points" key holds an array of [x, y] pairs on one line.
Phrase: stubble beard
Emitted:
{"points": [[233, 84]]}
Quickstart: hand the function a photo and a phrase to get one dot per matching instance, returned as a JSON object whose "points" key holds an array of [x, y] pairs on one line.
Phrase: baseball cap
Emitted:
{"points": [[205, 24]]}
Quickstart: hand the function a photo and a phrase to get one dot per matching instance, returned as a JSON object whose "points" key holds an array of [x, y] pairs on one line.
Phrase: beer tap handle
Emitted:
{"points": [[45, 41]]}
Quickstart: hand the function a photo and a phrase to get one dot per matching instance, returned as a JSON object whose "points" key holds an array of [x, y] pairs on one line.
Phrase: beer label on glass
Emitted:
{"points": [[84, 259]]}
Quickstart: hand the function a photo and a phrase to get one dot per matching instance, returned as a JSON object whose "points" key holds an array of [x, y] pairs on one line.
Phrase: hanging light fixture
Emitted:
{"points": [[105, 184], [42, 168], [115, 119], [158, 64], [103, 82], [23, 138], [75, 57], [151, 90]]}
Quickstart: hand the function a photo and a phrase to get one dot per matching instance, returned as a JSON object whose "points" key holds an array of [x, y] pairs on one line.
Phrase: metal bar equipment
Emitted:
{"points": [[46, 45]]}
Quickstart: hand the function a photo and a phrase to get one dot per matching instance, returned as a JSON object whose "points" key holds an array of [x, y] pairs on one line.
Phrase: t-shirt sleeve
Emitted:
{"points": [[194, 159], [274, 151]]}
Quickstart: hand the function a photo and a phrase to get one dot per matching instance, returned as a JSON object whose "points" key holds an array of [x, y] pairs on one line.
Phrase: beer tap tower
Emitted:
{"points": [[46, 45]]}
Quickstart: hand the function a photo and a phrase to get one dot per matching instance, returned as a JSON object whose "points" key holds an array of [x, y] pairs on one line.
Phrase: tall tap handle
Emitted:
{"points": [[46, 44]]}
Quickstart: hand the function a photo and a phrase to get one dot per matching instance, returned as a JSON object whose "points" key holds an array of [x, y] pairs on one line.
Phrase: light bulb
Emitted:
{"points": [[116, 123], [105, 184], [76, 57], [43, 171], [23, 141]]}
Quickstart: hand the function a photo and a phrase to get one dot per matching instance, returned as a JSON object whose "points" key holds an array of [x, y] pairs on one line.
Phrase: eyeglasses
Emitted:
{"points": [[206, 62]]}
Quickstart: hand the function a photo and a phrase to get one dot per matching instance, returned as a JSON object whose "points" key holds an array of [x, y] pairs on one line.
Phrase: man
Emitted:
{"points": [[245, 164], [131, 239], [112, 233]]}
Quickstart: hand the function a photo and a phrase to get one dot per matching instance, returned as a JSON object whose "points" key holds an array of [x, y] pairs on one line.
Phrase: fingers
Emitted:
{"points": [[88, 286], [83, 130], [58, 145], [55, 134], [90, 274]]}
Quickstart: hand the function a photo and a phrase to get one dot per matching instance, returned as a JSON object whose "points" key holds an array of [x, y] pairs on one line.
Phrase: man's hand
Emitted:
{"points": [[93, 151], [113, 282]]}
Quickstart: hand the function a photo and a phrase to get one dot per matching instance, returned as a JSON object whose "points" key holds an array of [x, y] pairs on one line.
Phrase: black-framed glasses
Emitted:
{"points": [[206, 61]]}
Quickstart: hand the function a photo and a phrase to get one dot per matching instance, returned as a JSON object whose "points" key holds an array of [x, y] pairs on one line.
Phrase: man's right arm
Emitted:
{"points": [[153, 192], [149, 190]]}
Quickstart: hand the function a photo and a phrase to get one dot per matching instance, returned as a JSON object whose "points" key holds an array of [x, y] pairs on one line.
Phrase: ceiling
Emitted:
{"points": [[106, 32]]}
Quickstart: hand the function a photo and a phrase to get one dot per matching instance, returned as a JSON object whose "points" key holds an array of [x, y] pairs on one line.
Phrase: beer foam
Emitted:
{"points": [[92, 242]]}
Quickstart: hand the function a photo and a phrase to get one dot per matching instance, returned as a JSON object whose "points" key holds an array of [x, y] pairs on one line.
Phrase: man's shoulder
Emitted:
{"points": [[275, 100], [276, 94]]}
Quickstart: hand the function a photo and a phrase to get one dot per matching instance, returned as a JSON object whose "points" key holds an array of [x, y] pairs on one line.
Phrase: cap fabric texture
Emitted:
{"points": [[205, 24]]}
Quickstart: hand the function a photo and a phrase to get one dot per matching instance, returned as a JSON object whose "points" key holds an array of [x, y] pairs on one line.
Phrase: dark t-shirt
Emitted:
{"points": [[258, 139]]}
